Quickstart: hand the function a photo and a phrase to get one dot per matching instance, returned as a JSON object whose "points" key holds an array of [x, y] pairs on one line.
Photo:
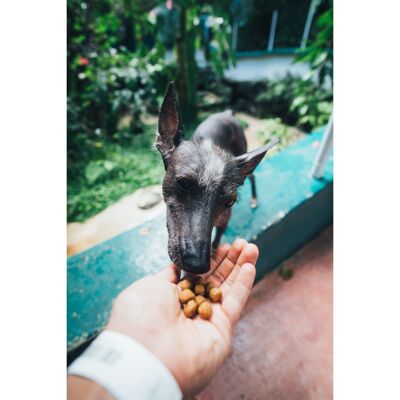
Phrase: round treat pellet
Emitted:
{"points": [[210, 285], [185, 284], [205, 310], [199, 289], [199, 299], [190, 308], [186, 295], [215, 294]]}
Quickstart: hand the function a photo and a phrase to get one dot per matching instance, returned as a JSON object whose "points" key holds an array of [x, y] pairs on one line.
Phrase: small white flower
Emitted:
{"points": [[81, 75], [83, 6]]}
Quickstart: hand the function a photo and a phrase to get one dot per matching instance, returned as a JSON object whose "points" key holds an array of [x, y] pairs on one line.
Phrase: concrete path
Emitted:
{"points": [[282, 346], [115, 219]]}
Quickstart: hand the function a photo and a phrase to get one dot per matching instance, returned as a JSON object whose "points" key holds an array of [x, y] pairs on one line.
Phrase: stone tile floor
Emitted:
{"points": [[282, 346]]}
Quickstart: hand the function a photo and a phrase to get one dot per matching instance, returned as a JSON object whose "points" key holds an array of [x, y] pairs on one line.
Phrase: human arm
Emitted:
{"points": [[149, 312]]}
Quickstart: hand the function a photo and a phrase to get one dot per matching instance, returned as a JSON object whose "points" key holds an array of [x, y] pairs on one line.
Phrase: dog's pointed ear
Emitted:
{"points": [[248, 162], [170, 129]]}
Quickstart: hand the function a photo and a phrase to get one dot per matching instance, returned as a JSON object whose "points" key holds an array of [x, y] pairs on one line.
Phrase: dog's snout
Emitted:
{"points": [[196, 258]]}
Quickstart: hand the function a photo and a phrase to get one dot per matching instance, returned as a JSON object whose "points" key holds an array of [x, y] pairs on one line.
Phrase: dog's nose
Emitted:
{"points": [[196, 258]]}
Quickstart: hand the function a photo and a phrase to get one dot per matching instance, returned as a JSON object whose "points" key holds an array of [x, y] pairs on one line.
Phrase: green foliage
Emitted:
{"points": [[275, 128], [107, 80], [101, 171], [297, 101], [221, 55], [311, 103], [116, 63], [244, 124], [114, 84], [319, 50]]}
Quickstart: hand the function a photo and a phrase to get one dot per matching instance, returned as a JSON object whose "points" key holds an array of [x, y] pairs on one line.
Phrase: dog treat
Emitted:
{"points": [[215, 294], [205, 310], [186, 295], [190, 308], [185, 284], [210, 285], [199, 289], [199, 299]]}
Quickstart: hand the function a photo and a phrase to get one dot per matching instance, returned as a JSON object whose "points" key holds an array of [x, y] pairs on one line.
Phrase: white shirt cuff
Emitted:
{"points": [[126, 369]]}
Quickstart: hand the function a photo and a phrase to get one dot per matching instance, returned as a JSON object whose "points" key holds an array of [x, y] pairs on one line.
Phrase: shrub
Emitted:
{"points": [[112, 85], [297, 101]]}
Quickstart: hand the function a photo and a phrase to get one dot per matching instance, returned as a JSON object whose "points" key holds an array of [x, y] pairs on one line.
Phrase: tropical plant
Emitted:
{"points": [[313, 93], [319, 52], [297, 101]]}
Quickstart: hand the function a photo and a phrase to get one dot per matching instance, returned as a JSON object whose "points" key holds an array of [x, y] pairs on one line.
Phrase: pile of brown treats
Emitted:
{"points": [[194, 300]]}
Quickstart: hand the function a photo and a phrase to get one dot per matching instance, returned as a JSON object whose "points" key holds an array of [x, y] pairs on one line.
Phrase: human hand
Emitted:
{"points": [[192, 349]]}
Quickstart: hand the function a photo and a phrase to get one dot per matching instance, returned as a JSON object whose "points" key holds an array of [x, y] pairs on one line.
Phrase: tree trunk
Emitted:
{"points": [[186, 68]]}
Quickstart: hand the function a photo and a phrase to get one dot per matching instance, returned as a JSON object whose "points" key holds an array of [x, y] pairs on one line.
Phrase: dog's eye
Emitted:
{"points": [[230, 204], [184, 184]]}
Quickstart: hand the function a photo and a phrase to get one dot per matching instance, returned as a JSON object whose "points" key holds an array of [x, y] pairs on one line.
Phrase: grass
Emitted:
{"points": [[101, 171]]}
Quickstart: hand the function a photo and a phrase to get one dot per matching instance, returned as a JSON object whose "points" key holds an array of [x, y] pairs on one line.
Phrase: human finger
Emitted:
{"points": [[234, 302], [249, 254], [171, 273], [223, 270]]}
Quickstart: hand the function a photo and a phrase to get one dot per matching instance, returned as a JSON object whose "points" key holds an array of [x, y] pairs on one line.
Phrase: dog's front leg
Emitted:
{"points": [[218, 236], [253, 201], [221, 223]]}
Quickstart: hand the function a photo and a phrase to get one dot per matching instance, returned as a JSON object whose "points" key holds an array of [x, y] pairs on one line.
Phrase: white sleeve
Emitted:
{"points": [[126, 369]]}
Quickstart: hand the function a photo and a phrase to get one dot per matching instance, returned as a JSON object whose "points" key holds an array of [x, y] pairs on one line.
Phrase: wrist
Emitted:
{"points": [[125, 368]]}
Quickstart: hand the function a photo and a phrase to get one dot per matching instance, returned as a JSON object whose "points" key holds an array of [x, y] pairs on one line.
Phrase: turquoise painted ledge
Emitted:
{"points": [[262, 53], [286, 51], [293, 208]]}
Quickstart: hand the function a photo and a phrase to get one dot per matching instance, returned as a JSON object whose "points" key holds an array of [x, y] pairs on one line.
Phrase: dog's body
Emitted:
{"points": [[224, 131], [201, 180]]}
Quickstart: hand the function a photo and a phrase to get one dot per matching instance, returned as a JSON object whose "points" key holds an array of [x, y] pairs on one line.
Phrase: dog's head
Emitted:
{"points": [[200, 185]]}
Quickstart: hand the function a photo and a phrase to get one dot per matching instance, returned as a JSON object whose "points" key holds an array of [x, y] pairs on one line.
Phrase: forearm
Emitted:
{"points": [[81, 388]]}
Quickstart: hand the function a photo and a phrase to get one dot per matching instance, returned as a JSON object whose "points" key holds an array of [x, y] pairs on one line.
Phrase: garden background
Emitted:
{"points": [[122, 54]]}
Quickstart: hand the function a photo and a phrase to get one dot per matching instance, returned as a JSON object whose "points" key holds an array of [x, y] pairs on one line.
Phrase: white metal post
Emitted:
{"points": [[272, 30], [311, 11], [234, 35], [325, 146]]}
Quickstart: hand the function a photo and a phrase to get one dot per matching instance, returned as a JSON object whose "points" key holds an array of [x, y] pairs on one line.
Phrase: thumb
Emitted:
{"points": [[170, 273]]}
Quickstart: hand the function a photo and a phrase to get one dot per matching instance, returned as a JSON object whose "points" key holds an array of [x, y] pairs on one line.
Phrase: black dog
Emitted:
{"points": [[201, 180]]}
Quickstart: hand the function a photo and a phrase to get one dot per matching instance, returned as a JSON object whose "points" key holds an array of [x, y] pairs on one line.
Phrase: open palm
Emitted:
{"points": [[192, 349]]}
